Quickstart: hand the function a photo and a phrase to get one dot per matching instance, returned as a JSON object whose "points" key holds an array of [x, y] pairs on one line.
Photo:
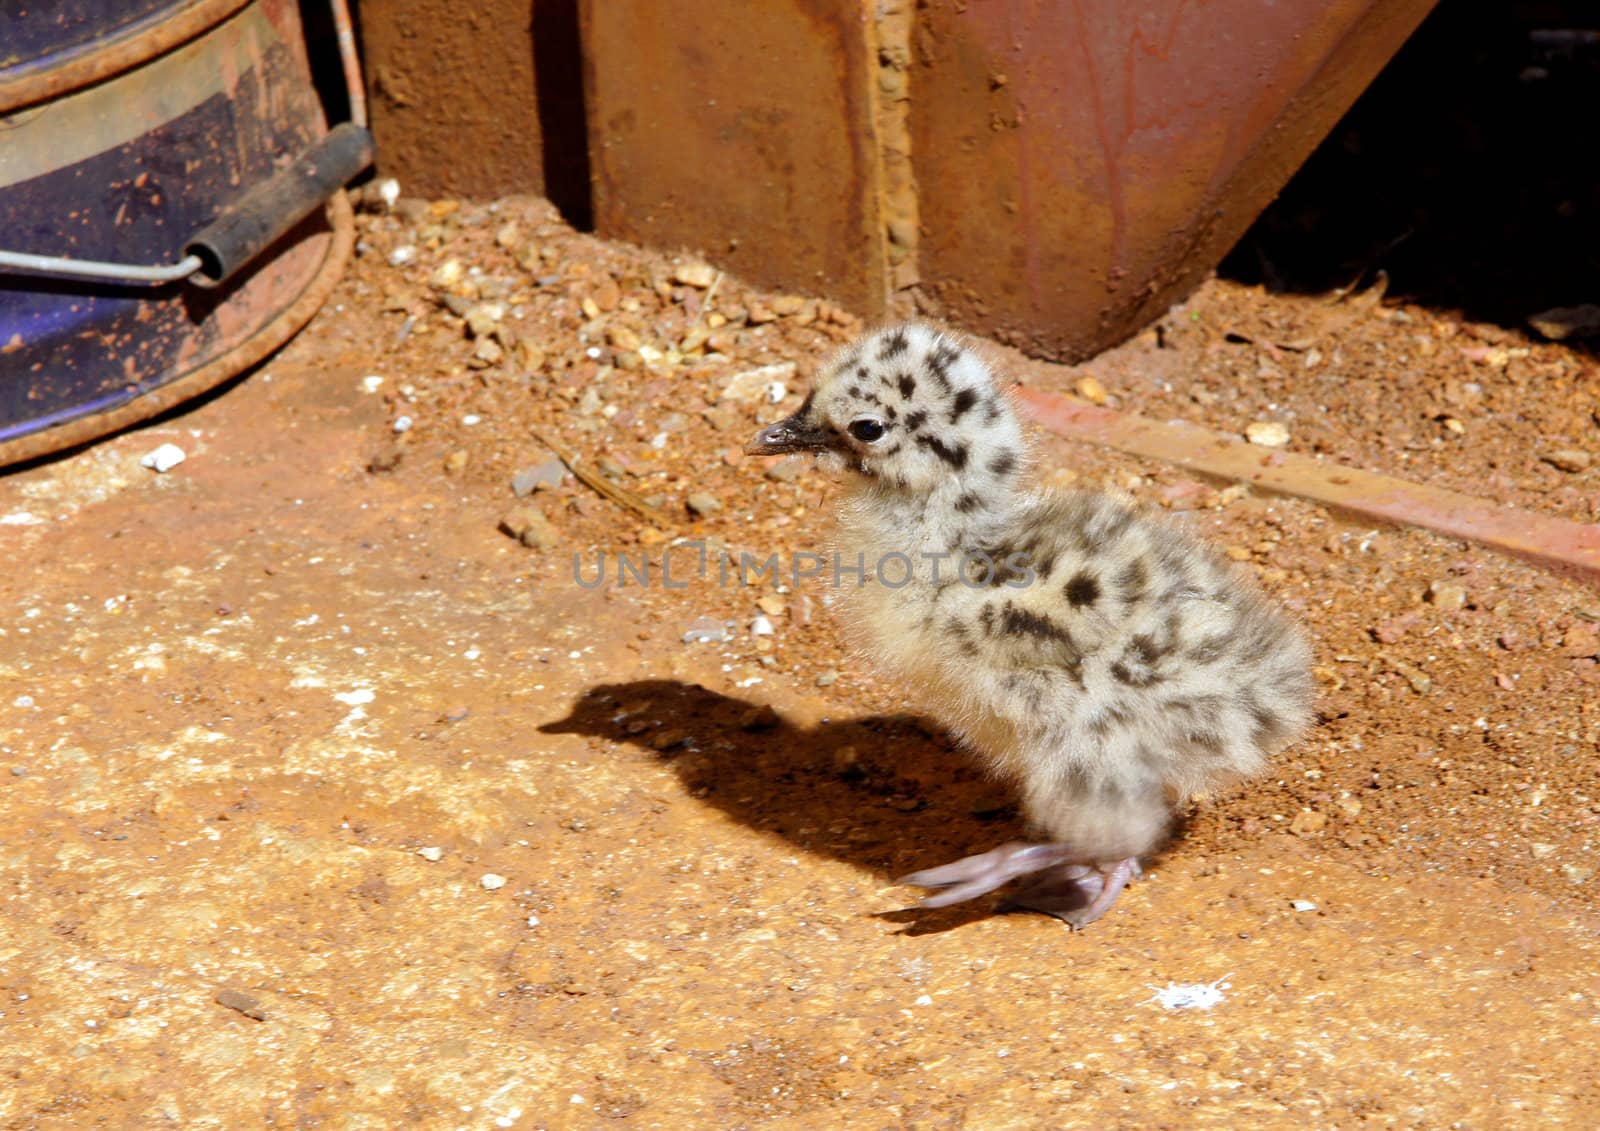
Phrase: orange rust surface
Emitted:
{"points": [[453, 101], [1083, 165], [745, 130]]}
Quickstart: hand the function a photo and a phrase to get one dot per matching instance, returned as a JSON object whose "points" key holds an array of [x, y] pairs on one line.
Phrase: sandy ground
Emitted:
{"points": [[326, 802]]}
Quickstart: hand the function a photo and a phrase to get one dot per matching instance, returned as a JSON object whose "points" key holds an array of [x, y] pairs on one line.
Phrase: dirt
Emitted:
{"points": [[329, 803]]}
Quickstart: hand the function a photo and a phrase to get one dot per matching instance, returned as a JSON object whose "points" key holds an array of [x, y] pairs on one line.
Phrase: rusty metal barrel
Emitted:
{"points": [[185, 136]]}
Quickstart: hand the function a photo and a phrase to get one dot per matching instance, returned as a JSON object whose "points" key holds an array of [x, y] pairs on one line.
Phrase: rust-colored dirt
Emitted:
{"points": [[274, 724]]}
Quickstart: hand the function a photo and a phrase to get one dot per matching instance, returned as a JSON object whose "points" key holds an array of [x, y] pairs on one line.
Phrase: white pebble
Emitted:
{"points": [[924, 1000], [372, 383], [1303, 905], [533, 920], [776, 392], [471, 418], [1202, 996], [1267, 433], [402, 255], [388, 191], [492, 881], [753, 384], [355, 698], [431, 853], [761, 626], [164, 458], [704, 630], [403, 423]]}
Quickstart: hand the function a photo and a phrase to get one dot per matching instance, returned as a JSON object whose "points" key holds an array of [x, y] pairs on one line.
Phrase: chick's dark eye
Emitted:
{"points": [[867, 429]]}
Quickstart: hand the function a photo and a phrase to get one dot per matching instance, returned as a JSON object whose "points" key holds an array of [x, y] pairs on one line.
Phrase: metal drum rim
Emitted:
{"points": [[131, 47]]}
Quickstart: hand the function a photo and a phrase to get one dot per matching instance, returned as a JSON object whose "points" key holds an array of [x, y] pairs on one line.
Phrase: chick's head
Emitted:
{"points": [[908, 408]]}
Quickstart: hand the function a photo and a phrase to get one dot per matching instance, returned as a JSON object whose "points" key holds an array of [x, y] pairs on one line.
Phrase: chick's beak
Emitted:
{"points": [[797, 433]]}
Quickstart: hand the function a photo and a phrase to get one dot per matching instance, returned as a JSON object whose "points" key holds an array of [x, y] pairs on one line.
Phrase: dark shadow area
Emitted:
{"points": [[1468, 171], [322, 52], [886, 794], [563, 121]]}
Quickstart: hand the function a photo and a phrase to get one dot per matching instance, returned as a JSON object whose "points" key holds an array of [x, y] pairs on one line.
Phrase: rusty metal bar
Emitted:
{"points": [[355, 90], [1567, 546]]}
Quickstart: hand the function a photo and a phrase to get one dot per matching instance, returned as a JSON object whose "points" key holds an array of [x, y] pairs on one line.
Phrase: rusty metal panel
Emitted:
{"points": [[454, 103], [745, 129], [1083, 164]]}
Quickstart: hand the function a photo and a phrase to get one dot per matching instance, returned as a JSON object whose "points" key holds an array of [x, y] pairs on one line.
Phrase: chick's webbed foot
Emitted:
{"points": [[1057, 881]]}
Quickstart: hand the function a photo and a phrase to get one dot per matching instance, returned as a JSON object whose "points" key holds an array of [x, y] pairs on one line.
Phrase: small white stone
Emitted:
{"points": [[431, 853], [403, 423], [355, 698], [924, 1000], [471, 418], [1267, 433], [492, 881], [761, 626], [372, 383], [756, 384], [1303, 905], [776, 391], [533, 920], [388, 191], [447, 274], [164, 458], [402, 255], [695, 273]]}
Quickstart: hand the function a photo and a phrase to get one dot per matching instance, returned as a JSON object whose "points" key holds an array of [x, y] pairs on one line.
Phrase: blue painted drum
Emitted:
{"points": [[126, 167]]}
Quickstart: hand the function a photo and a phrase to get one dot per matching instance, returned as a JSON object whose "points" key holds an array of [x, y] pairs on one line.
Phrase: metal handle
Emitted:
{"points": [[250, 224]]}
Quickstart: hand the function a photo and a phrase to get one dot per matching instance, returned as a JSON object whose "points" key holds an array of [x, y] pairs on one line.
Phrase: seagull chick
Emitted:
{"points": [[1104, 661]]}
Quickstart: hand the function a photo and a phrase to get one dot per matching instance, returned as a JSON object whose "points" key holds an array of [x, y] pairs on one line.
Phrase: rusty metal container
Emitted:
{"points": [[1082, 166], [1051, 173], [129, 127]]}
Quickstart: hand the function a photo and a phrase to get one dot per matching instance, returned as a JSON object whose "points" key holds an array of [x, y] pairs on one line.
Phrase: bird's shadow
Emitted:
{"points": [[888, 794]]}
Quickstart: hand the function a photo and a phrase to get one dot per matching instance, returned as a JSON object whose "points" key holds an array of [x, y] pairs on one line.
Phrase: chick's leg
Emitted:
{"points": [[1054, 880], [975, 875], [1075, 894]]}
